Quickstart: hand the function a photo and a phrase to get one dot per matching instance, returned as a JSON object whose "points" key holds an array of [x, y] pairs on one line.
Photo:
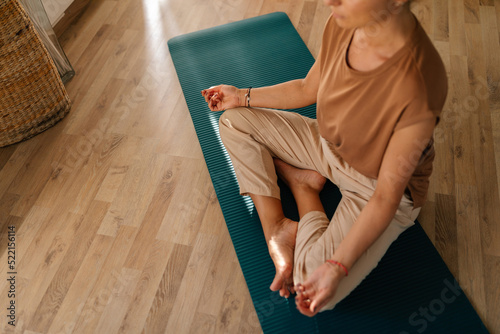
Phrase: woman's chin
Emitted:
{"points": [[342, 22]]}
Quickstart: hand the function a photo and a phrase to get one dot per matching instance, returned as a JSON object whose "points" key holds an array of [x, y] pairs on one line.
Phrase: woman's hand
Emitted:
{"points": [[318, 289], [222, 97]]}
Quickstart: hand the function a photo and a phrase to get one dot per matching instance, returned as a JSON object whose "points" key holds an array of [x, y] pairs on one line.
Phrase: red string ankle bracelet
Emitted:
{"points": [[338, 264]]}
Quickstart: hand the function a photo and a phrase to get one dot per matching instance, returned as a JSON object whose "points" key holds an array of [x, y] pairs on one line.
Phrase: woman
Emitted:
{"points": [[380, 86]]}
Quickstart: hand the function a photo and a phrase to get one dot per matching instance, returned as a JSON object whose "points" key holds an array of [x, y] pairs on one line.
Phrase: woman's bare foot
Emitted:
{"points": [[299, 180], [281, 246], [305, 186]]}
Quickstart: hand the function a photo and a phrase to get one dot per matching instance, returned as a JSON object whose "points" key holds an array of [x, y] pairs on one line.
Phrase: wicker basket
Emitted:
{"points": [[32, 96]]}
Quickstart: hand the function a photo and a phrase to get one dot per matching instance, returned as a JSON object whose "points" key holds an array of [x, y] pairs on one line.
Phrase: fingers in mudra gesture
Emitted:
{"points": [[318, 289], [222, 97]]}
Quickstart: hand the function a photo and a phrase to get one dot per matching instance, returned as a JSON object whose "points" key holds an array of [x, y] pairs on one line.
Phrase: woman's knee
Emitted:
{"points": [[314, 244], [230, 118], [306, 261]]}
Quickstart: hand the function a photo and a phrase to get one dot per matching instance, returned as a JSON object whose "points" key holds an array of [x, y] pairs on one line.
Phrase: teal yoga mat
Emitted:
{"points": [[411, 291]]}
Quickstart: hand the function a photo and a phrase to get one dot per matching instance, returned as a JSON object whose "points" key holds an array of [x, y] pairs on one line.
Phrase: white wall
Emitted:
{"points": [[55, 9]]}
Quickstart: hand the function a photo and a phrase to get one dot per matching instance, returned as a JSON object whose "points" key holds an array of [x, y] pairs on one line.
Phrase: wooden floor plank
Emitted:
{"points": [[456, 24], [145, 291], [470, 258], [108, 281], [231, 310], [164, 302], [121, 296], [197, 268], [81, 286], [66, 272]]}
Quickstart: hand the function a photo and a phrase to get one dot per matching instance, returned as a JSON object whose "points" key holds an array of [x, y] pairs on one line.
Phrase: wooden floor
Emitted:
{"points": [[117, 225]]}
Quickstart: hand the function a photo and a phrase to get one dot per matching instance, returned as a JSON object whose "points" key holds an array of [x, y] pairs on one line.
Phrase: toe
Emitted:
{"points": [[285, 293], [277, 282]]}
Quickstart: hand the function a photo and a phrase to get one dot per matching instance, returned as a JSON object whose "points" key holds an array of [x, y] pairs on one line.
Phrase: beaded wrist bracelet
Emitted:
{"points": [[248, 97]]}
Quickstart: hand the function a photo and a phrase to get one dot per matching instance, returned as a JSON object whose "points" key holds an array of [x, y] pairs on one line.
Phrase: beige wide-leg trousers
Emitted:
{"points": [[253, 136]]}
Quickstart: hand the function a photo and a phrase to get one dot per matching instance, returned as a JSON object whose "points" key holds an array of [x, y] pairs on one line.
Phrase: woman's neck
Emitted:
{"points": [[390, 34], [370, 49]]}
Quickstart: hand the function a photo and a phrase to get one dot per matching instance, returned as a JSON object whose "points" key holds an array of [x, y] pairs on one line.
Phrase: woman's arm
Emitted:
{"points": [[399, 163], [288, 95]]}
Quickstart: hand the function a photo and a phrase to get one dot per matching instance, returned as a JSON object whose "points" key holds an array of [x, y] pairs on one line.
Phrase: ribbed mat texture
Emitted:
{"points": [[411, 291]]}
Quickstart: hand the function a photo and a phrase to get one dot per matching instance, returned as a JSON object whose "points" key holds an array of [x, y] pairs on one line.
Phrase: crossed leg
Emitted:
{"points": [[281, 231], [262, 142]]}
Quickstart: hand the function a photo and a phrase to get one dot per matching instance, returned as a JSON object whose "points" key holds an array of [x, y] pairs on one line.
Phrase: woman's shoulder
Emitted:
{"points": [[425, 55], [429, 68]]}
